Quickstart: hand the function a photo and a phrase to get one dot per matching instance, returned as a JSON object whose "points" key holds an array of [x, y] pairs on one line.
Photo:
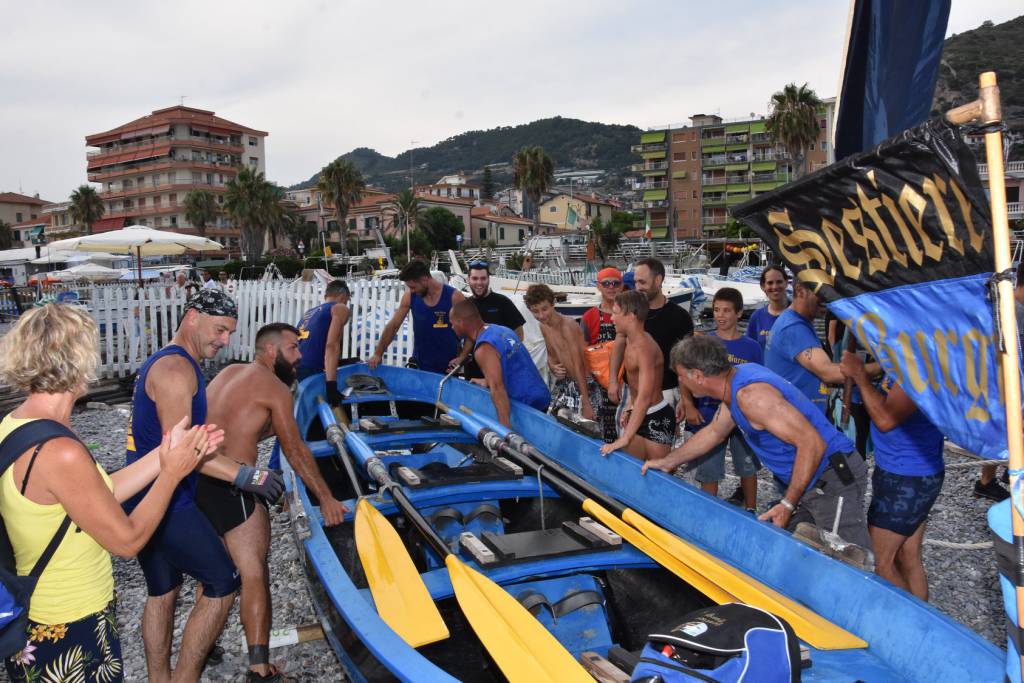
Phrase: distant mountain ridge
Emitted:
{"points": [[569, 142]]}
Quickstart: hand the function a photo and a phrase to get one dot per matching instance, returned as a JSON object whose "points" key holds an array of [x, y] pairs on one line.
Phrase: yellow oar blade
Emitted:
{"points": [[402, 599], [809, 626], [523, 649], [658, 554]]}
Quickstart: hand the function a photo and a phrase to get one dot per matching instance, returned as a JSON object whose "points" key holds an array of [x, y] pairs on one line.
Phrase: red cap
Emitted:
{"points": [[609, 274]]}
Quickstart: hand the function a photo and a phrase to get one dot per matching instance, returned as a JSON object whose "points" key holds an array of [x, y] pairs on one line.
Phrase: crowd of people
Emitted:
{"points": [[192, 500]]}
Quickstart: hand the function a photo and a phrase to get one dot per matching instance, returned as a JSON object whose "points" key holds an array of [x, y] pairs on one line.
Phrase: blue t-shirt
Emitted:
{"points": [[760, 324], [791, 335], [521, 377], [434, 341], [774, 453], [145, 433], [911, 449], [741, 350], [313, 328]]}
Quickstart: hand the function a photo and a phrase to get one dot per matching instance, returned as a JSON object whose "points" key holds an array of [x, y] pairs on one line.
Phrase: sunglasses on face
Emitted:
{"points": [[611, 283]]}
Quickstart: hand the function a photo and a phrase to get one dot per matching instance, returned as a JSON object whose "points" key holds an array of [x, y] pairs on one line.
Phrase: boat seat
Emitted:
{"points": [[572, 608]]}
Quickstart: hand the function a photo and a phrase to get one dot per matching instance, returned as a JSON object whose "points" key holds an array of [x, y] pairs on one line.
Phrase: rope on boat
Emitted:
{"points": [[983, 545]]}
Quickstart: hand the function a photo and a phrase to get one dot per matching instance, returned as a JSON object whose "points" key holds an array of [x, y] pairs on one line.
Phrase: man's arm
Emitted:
{"points": [[886, 411], [766, 409], [614, 363], [817, 362], [332, 351], [171, 384], [640, 402], [519, 332], [697, 445], [388, 333], [298, 453], [487, 358]]}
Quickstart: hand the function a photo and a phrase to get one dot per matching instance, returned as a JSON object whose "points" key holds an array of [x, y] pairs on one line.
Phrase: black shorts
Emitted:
{"points": [[224, 505], [659, 424]]}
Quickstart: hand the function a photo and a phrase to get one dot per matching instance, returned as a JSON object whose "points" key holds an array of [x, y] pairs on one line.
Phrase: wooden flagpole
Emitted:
{"points": [[987, 111]]}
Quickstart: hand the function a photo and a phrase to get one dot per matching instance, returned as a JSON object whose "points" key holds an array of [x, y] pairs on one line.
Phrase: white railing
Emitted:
{"points": [[134, 323], [1015, 209], [1011, 168]]}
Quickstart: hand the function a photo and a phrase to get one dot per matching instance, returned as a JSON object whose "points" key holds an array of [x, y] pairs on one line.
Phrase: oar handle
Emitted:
{"points": [[379, 473], [336, 437]]}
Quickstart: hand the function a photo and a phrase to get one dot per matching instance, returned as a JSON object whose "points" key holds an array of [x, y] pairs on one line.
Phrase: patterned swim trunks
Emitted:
{"points": [[901, 503], [659, 424]]}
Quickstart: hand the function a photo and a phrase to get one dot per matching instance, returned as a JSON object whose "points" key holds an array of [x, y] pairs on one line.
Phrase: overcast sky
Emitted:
{"points": [[323, 77]]}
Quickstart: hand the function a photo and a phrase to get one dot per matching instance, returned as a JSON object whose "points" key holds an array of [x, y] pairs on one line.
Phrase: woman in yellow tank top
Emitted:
{"points": [[72, 634]]}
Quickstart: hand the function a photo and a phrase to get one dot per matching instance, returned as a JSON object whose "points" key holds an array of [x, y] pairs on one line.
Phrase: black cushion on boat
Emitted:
{"points": [[453, 515], [365, 384], [533, 601], [1008, 562]]}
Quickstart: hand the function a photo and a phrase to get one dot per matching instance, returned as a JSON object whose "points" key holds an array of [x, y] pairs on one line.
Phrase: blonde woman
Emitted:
{"points": [[72, 633]]}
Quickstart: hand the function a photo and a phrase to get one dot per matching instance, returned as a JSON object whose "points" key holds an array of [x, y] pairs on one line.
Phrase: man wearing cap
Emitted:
{"points": [[320, 333], [598, 328], [170, 385], [495, 309]]}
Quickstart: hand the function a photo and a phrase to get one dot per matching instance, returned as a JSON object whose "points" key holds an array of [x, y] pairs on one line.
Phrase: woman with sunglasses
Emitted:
{"points": [[598, 327]]}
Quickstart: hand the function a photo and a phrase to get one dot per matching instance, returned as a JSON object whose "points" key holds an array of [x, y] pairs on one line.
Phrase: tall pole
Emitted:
{"points": [[987, 111], [412, 189]]}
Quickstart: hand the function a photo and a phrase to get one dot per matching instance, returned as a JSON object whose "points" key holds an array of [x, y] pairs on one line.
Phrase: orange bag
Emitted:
{"points": [[599, 361]]}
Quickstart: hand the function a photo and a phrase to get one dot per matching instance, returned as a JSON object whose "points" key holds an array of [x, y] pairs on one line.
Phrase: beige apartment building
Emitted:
{"points": [[147, 167]]}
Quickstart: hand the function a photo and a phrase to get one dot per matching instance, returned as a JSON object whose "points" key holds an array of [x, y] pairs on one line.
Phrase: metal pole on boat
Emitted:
{"points": [[987, 112]]}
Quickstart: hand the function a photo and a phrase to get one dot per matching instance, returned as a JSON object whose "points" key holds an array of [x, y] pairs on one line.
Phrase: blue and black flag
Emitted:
{"points": [[898, 241]]}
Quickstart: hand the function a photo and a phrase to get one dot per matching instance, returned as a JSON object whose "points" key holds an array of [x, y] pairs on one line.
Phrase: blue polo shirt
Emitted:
{"points": [[791, 335]]}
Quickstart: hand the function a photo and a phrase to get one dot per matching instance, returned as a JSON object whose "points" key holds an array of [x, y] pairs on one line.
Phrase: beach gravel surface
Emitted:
{"points": [[964, 583]]}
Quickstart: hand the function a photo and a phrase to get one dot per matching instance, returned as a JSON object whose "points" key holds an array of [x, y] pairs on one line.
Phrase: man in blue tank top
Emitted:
{"points": [[908, 476], [507, 366], [434, 342], [811, 460], [170, 386], [320, 333]]}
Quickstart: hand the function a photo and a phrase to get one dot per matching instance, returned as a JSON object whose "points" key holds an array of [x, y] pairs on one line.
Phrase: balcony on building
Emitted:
{"points": [[649, 166], [1012, 169], [650, 147], [650, 184]]}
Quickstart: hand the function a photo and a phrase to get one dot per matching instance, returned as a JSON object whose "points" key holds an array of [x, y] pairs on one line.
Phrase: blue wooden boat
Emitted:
{"points": [[627, 595]]}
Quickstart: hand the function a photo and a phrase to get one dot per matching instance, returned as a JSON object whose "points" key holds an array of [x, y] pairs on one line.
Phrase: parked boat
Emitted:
{"points": [[594, 582]]}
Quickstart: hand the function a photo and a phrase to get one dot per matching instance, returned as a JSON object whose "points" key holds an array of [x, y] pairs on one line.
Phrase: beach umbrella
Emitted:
{"points": [[139, 241], [88, 271], [75, 257]]}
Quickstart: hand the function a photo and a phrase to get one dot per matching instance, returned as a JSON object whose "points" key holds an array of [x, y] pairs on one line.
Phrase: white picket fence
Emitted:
{"points": [[134, 323]]}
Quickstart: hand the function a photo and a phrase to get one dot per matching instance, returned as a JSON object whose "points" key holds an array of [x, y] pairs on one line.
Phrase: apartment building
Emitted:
{"points": [[147, 167], [691, 174], [16, 207], [454, 186], [59, 223], [575, 211]]}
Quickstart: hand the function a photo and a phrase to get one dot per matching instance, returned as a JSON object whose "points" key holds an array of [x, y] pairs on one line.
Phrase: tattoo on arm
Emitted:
{"points": [[807, 355]]}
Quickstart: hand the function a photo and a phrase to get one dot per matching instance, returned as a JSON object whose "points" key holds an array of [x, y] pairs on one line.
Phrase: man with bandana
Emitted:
{"points": [[171, 386], [263, 387]]}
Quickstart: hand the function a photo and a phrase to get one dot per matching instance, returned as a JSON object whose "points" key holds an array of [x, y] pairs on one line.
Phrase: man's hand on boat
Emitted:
{"points": [[618, 444], [333, 511], [778, 515], [667, 464], [373, 361]]}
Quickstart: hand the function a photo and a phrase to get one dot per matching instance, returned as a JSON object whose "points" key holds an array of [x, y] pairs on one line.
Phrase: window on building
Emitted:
{"points": [[18, 218], [501, 233], [196, 177], [694, 194], [822, 123], [174, 220], [693, 156], [483, 234], [253, 141], [810, 147], [142, 201], [351, 223], [522, 235], [552, 209], [824, 146], [254, 162], [678, 156], [209, 179]]}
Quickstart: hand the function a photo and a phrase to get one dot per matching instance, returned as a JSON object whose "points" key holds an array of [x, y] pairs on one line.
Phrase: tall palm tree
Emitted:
{"points": [[246, 201], [273, 212], [793, 121], [534, 174], [341, 185], [86, 207], [200, 209], [407, 208]]}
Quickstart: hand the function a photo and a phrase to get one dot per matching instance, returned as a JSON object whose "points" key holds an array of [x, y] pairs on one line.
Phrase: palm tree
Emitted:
{"points": [[6, 235], [200, 209], [534, 174], [407, 208], [341, 185], [793, 121], [246, 201], [86, 207]]}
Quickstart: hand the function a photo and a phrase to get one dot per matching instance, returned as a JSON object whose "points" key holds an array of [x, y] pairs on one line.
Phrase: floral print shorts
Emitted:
{"points": [[87, 651]]}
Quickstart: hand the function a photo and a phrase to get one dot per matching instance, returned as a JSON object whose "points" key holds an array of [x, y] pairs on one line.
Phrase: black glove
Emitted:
{"points": [[267, 484], [333, 395]]}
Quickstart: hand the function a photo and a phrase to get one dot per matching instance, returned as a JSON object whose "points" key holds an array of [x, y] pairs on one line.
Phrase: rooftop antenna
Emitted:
{"points": [[181, 100]]}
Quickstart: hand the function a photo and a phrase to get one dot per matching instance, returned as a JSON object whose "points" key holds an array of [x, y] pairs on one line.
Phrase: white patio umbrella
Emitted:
{"points": [[88, 271], [139, 241], [53, 256]]}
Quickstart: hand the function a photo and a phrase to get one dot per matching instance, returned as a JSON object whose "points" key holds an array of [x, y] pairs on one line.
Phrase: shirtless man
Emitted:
{"points": [[650, 422], [240, 518], [566, 357]]}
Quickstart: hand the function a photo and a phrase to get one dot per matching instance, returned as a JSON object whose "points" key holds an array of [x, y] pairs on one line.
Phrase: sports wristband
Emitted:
{"points": [[786, 504]]}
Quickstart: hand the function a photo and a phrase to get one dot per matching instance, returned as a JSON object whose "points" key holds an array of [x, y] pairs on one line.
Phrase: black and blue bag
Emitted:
{"points": [[724, 644], [16, 591]]}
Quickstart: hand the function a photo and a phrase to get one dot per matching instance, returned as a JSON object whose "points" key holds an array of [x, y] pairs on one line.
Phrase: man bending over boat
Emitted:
{"points": [[649, 422], [813, 462], [507, 366], [241, 519], [435, 344], [574, 388], [909, 470]]}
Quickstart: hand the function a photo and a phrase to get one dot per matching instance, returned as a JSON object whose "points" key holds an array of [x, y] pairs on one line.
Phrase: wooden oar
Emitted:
{"points": [[728, 583], [522, 647], [401, 597]]}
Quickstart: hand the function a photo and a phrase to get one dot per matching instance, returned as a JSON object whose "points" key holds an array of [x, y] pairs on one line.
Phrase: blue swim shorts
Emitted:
{"points": [[711, 467], [901, 503]]}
